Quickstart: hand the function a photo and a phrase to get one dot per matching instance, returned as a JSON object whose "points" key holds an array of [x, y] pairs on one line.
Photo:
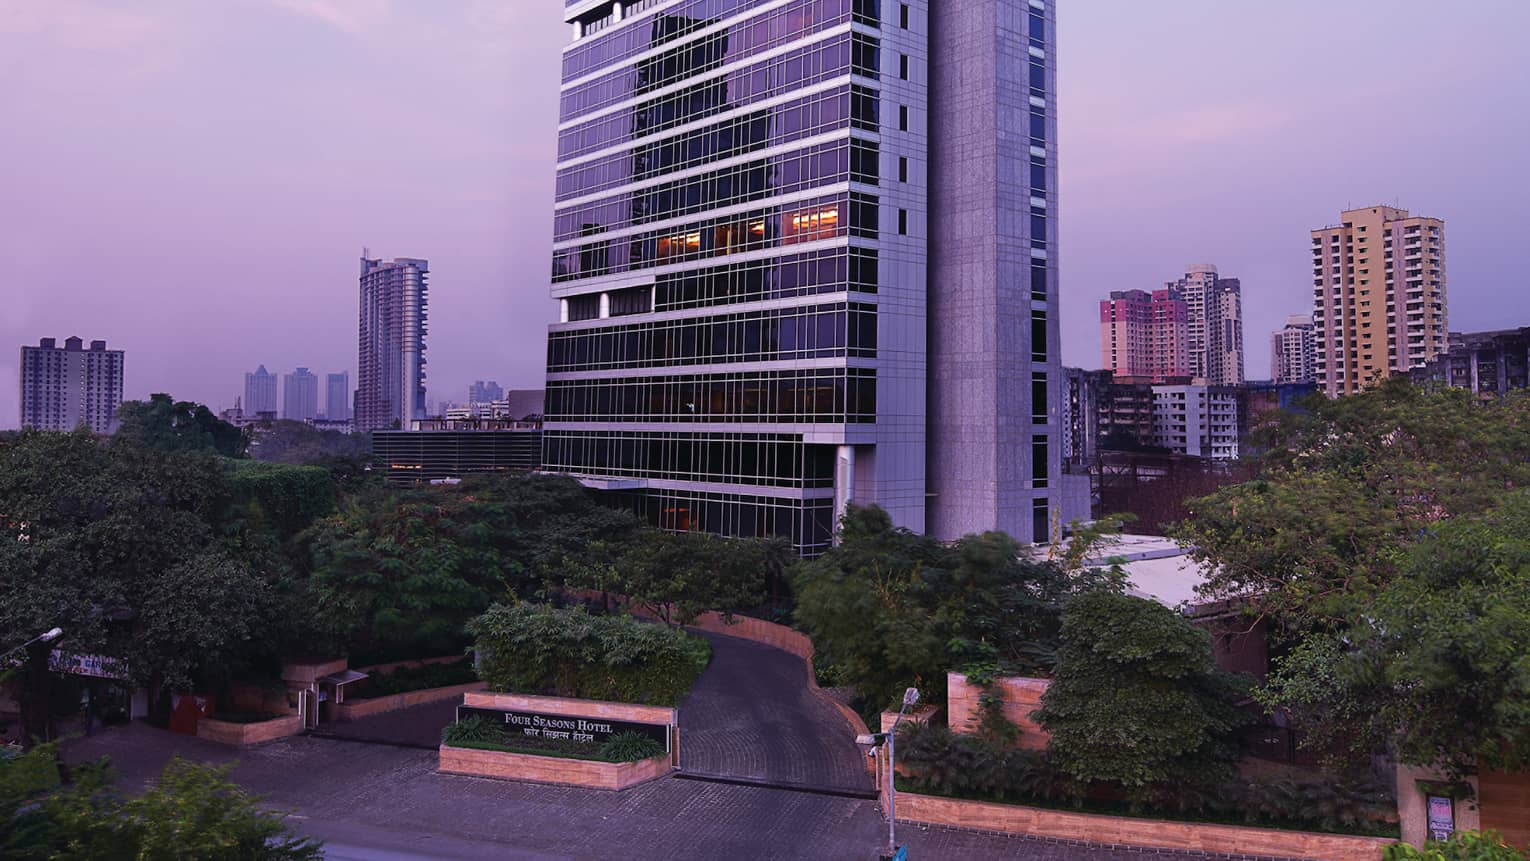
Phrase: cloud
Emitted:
{"points": [[1212, 124], [80, 24], [350, 16]]}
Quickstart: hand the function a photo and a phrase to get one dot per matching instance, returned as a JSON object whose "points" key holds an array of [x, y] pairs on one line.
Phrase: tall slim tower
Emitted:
{"points": [[1292, 351], [300, 395], [337, 397], [390, 370], [755, 326], [1215, 306], [259, 392], [64, 387], [1378, 296]]}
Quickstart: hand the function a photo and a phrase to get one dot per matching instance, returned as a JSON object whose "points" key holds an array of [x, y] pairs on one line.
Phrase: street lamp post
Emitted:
{"points": [[875, 740], [47, 636]]}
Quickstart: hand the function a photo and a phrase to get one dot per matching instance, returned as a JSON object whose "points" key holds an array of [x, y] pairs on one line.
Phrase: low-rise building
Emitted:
{"points": [[1489, 364], [449, 448], [1200, 421]]}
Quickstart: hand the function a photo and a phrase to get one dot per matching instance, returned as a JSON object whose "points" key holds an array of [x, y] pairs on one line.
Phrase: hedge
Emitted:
{"points": [[538, 649]]}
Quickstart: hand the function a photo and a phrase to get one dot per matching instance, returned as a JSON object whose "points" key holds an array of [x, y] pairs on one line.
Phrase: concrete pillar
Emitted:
{"points": [[844, 483], [1413, 805]]}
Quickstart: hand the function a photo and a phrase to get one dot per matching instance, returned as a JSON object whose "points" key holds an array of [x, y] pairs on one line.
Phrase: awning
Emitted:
{"points": [[344, 677]]}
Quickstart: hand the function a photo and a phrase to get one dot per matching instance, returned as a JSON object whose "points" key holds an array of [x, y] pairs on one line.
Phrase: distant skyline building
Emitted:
{"points": [[807, 253], [1215, 324], [337, 397], [1145, 334], [300, 396], [1293, 351], [64, 387], [481, 392], [1378, 296], [390, 357], [259, 393]]}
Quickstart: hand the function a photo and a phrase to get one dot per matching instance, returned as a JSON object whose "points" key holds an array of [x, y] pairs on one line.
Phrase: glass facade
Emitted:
{"points": [[717, 255]]}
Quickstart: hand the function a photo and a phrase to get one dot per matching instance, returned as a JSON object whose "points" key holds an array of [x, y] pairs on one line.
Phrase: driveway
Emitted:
{"points": [[752, 717]]}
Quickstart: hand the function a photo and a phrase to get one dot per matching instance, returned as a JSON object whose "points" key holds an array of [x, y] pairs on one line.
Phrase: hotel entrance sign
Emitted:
{"points": [[595, 731]]}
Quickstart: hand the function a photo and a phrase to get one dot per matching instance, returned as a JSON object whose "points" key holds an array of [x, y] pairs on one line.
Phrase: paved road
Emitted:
{"points": [[419, 726], [751, 715], [382, 803]]}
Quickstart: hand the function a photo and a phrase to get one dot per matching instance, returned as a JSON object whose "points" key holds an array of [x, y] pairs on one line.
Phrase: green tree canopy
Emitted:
{"points": [[1346, 487], [1137, 700], [677, 576], [886, 607], [165, 424], [400, 571], [1437, 668], [301, 444], [117, 544], [190, 811]]}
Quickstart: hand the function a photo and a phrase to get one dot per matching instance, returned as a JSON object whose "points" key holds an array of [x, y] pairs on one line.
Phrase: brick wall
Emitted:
{"points": [[246, 734], [1021, 697], [358, 709], [1123, 831], [550, 769]]}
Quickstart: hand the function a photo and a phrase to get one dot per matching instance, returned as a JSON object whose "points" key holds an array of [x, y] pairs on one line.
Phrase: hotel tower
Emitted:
{"points": [[805, 254]]}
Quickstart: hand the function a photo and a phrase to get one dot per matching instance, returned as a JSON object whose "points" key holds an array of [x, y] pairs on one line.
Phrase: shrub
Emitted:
{"points": [[1462, 846], [473, 729], [405, 679], [630, 747], [537, 649]]}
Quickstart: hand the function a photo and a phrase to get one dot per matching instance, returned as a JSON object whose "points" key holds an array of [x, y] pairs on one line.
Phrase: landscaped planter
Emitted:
{"points": [[357, 709], [1128, 831], [563, 771], [246, 734]]}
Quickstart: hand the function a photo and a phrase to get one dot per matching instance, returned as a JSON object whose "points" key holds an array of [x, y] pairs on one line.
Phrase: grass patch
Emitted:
{"points": [[1125, 811]]}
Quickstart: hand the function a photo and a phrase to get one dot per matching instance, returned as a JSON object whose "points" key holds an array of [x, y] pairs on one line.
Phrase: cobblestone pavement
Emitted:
{"points": [[382, 802], [752, 716], [419, 726]]}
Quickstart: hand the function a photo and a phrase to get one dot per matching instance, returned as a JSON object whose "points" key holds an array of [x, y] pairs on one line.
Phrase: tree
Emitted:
{"points": [[178, 426], [677, 576], [398, 572], [192, 811], [886, 606], [116, 544], [1137, 701], [1345, 488], [301, 444], [1437, 668]]}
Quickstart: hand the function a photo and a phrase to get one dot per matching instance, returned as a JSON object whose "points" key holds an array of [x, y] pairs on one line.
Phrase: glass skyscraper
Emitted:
{"points": [[801, 252], [390, 353]]}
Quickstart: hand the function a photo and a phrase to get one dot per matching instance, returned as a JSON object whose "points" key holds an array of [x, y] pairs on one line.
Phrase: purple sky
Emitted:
{"points": [[193, 181]]}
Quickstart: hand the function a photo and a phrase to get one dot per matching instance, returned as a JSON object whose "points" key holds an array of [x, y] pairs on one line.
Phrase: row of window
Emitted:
{"points": [[818, 113], [779, 334], [749, 38], [822, 218], [842, 55], [772, 460], [834, 395], [678, 22], [807, 523], [817, 166], [828, 270]]}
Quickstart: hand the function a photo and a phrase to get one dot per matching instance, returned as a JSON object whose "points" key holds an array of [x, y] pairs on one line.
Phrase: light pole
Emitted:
{"points": [[910, 698], [47, 636]]}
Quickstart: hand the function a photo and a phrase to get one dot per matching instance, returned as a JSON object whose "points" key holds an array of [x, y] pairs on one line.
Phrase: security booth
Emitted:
{"points": [[332, 689]]}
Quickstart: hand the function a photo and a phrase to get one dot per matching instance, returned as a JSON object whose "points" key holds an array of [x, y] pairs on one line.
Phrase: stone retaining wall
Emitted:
{"points": [[550, 769], [1147, 833], [358, 709], [417, 662], [246, 734]]}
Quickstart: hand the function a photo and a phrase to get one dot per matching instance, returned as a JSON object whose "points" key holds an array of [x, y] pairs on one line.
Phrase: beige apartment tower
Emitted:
{"points": [[1378, 297]]}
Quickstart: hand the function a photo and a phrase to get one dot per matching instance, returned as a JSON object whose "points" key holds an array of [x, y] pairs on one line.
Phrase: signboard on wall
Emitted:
{"points": [[95, 666], [1442, 817], [594, 731]]}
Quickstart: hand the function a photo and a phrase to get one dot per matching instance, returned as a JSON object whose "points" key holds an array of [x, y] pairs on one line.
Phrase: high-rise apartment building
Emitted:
{"points": [[259, 393], [1378, 296], [64, 387], [1145, 335], [300, 395], [337, 397], [806, 254], [1215, 324], [481, 392], [1293, 351], [390, 356]]}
